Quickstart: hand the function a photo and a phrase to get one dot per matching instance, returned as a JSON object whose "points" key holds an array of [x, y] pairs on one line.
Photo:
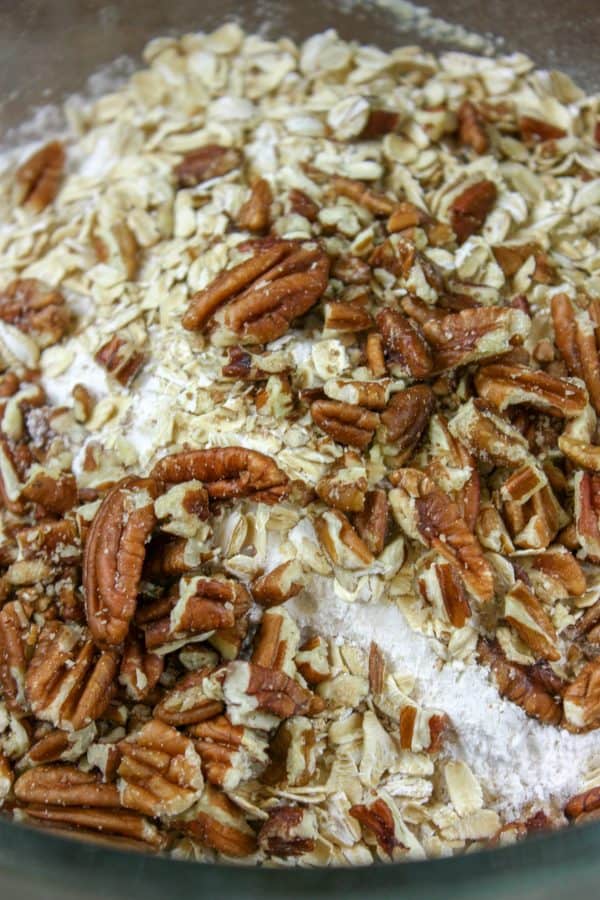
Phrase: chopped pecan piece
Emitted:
{"points": [[345, 318], [489, 436], [580, 453], [255, 214], [262, 296], [382, 818], [140, 670], [516, 684], [351, 270], [292, 753], [587, 512], [38, 178], [36, 309], [6, 778], [469, 210], [562, 567], [160, 773], [114, 556], [206, 162], [69, 682], [119, 245], [406, 350], [406, 215], [371, 523], [55, 495], [534, 131], [218, 823], [230, 753], [276, 642], [439, 585], [346, 485], [120, 359], [375, 201], [312, 660], [427, 514], [278, 585], [504, 385], [289, 831], [256, 696], [302, 205], [380, 121], [187, 703], [474, 334], [345, 423], [511, 258], [575, 337], [582, 804], [581, 700], [375, 355], [405, 419], [14, 625], [471, 127], [523, 610], [341, 541], [226, 472], [201, 606], [372, 394]]}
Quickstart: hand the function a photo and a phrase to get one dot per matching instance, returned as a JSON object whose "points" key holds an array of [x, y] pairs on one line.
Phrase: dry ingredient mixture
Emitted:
{"points": [[299, 457]]}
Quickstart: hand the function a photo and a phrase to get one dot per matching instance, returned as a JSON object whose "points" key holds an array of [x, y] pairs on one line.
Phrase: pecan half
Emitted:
{"points": [[114, 556], [206, 162], [347, 424], [426, 513], [504, 385], [160, 773], [471, 127], [406, 350], [226, 472], [289, 831], [65, 786], [474, 334], [69, 682], [36, 309], [405, 419], [575, 337], [262, 296], [38, 178], [515, 683], [120, 359], [255, 214], [581, 700], [471, 208]]}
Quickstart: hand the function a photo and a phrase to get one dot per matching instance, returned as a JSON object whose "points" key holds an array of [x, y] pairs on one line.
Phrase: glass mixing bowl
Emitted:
{"points": [[47, 50]]}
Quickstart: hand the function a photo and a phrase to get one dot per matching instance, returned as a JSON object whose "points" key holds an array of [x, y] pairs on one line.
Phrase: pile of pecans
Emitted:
{"points": [[436, 446]]}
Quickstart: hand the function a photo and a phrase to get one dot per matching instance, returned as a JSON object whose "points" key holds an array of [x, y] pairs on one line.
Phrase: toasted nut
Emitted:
{"points": [[289, 831], [574, 334], [503, 385], [372, 394], [470, 209], [226, 472], [405, 419], [187, 703], [382, 818], [341, 541], [471, 127], [230, 753], [55, 495], [351, 270], [345, 318], [160, 773], [278, 585], [312, 660], [406, 215], [515, 683], [440, 586], [35, 309], [377, 203], [474, 334], [68, 682], [206, 162], [114, 556], [535, 130], [38, 178], [581, 700], [218, 823], [140, 671], [587, 511], [65, 786], [582, 454], [583, 803], [523, 610], [371, 523], [302, 205], [255, 214], [346, 486], [405, 348], [347, 424], [277, 642], [120, 359], [257, 696]]}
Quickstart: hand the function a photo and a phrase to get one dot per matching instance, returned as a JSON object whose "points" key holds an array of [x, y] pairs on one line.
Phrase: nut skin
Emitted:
{"points": [[114, 556], [227, 473], [210, 161], [471, 208], [38, 178]]}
